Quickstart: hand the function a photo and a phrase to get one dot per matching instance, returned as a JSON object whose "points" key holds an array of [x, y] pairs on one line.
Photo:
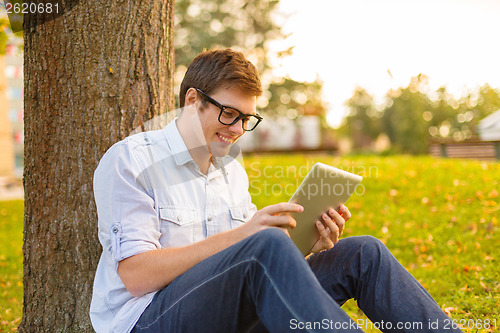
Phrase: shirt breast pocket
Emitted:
{"points": [[239, 215], [178, 225]]}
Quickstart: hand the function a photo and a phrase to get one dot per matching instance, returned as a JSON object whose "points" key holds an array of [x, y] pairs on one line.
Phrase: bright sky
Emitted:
{"points": [[349, 43]]}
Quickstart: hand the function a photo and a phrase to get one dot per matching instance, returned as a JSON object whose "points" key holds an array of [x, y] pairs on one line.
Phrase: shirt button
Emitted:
{"points": [[244, 215], [209, 218], [115, 230], [179, 218]]}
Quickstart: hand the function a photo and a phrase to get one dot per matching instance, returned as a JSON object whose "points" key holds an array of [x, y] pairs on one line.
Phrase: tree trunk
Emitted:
{"points": [[91, 76]]}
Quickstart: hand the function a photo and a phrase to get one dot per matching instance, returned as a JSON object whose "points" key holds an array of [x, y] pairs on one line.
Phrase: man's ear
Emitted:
{"points": [[191, 97]]}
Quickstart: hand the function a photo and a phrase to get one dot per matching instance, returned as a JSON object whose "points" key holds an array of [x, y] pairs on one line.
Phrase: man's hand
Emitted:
{"points": [[152, 270], [330, 228], [272, 216]]}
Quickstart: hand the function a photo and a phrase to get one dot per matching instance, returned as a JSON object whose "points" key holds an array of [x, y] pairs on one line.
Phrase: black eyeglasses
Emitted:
{"points": [[230, 116]]}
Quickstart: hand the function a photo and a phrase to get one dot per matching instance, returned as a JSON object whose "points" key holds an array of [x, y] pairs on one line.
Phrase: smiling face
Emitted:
{"points": [[220, 137]]}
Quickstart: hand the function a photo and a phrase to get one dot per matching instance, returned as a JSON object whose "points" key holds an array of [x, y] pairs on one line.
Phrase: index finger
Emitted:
{"points": [[283, 208]]}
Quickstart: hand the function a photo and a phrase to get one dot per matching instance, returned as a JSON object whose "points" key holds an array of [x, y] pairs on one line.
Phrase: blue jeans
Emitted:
{"points": [[263, 283]]}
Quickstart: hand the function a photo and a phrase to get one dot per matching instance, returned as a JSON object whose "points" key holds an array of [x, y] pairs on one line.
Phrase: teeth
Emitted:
{"points": [[224, 139]]}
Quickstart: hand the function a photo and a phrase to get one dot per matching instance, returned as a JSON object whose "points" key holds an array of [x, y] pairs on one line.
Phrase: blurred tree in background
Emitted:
{"points": [[4, 25], [206, 24], [412, 116], [362, 122], [403, 118], [6, 28], [247, 26], [483, 102], [292, 99]]}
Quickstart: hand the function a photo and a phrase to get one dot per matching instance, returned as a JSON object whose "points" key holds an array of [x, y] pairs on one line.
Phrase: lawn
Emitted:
{"points": [[439, 217], [11, 264]]}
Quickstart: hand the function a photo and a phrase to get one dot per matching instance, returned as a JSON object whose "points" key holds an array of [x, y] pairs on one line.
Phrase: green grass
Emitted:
{"points": [[439, 217], [11, 264]]}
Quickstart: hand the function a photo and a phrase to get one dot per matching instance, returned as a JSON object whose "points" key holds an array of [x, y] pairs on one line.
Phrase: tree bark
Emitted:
{"points": [[91, 76]]}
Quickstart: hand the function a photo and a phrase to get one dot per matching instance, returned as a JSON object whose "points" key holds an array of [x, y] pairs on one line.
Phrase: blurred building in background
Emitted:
{"points": [[489, 127], [282, 133], [11, 112], [6, 145]]}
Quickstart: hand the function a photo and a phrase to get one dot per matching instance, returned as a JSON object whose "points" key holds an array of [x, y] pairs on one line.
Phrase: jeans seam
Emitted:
{"points": [[216, 276], [278, 292]]}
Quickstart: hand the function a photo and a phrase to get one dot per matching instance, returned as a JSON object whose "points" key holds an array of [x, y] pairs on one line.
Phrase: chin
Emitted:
{"points": [[218, 150]]}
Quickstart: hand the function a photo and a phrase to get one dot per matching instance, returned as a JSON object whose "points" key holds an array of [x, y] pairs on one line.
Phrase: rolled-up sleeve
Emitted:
{"points": [[128, 221]]}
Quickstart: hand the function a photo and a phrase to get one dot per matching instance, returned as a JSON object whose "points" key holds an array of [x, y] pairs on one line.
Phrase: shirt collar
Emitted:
{"points": [[176, 143], [182, 156]]}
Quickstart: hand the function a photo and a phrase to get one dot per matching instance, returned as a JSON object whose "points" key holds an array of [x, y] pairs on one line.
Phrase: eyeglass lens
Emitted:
{"points": [[228, 116]]}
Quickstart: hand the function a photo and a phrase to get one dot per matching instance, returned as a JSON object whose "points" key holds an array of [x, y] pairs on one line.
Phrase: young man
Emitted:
{"points": [[184, 249]]}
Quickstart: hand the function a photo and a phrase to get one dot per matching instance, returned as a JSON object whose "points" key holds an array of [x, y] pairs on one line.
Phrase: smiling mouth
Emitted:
{"points": [[224, 139]]}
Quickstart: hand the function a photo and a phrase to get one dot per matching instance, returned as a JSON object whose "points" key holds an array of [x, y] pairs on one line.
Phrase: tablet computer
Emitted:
{"points": [[323, 188]]}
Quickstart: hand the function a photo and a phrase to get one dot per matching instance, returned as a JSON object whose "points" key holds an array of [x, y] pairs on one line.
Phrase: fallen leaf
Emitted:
{"points": [[449, 310], [484, 286]]}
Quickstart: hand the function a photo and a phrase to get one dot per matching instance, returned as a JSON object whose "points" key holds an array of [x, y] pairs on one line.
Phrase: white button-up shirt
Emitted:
{"points": [[150, 194]]}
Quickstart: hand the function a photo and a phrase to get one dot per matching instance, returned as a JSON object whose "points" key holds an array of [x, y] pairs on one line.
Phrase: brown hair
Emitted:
{"points": [[213, 69]]}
